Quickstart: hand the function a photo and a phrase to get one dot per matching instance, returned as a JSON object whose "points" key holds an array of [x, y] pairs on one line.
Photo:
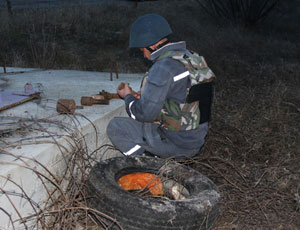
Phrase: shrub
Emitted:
{"points": [[247, 13]]}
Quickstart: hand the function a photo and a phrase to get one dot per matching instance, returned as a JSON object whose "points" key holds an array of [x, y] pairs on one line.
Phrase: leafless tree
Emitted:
{"points": [[9, 7]]}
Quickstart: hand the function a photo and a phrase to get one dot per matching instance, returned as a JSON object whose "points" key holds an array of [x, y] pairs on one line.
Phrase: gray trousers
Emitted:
{"points": [[132, 137]]}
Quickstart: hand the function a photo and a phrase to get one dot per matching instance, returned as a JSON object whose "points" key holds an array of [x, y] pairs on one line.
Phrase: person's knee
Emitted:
{"points": [[113, 128]]}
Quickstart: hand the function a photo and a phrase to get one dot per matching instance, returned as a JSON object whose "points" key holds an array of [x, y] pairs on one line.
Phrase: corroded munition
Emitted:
{"points": [[108, 95], [67, 106], [92, 101]]}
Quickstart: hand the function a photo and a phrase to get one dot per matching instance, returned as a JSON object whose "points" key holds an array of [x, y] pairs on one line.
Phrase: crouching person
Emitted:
{"points": [[170, 117]]}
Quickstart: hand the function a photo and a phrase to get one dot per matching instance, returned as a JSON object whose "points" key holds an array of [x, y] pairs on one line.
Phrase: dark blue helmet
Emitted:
{"points": [[147, 30]]}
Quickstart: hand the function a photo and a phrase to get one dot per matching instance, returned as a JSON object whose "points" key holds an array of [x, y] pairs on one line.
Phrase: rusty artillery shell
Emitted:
{"points": [[66, 106], [91, 101], [108, 95]]}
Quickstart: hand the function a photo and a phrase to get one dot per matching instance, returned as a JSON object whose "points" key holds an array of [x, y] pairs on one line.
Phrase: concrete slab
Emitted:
{"points": [[34, 135], [15, 70]]}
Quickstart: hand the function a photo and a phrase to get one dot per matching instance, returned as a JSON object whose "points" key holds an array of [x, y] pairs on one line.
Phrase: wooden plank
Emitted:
{"points": [[26, 99]]}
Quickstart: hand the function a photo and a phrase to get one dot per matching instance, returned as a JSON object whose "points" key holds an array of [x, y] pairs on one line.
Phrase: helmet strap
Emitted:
{"points": [[163, 44], [158, 47], [150, 49]]}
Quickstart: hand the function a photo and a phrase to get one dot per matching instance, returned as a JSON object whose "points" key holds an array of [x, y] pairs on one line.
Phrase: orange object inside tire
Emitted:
{"points": [[141, 180]]}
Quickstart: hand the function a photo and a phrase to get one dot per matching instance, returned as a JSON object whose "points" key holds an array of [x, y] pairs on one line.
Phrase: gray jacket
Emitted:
{"points": [[167, 79]]}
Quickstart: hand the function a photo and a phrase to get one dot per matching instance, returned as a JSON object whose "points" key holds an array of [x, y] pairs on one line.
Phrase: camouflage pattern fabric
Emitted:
{"points": [[195, 64], [181, 117]]}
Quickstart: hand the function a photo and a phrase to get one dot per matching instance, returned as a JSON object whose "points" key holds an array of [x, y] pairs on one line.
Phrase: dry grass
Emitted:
{"points": [[252, 150], [63, 184]]}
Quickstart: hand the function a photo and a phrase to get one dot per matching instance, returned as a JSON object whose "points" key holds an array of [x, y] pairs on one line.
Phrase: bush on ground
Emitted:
{"points": [[246, 13]]}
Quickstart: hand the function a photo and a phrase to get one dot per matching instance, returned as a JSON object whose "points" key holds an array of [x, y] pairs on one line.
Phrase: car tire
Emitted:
{"points": [[198, 210]]}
